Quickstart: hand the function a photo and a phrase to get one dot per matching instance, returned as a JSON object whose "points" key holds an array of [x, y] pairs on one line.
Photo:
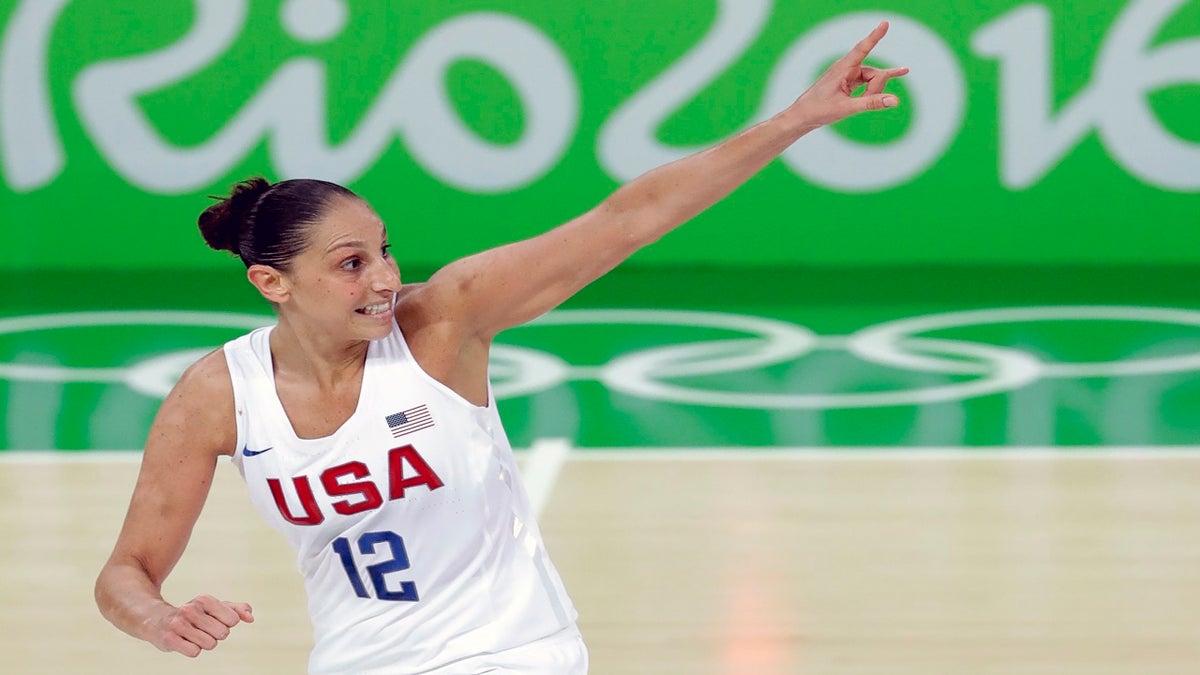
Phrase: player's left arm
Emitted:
{"points": [[512, 284]]}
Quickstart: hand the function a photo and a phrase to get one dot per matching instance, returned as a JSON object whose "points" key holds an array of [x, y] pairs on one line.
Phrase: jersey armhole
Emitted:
{"points": [[239, 403], [397, 335]]}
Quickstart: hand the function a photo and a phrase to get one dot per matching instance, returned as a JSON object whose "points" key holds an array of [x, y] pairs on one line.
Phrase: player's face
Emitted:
{"points": [[346, 280]]}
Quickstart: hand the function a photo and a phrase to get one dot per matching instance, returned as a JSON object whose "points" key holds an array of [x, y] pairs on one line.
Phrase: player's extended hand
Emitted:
{"points": [[199, 624], [830, 98]]}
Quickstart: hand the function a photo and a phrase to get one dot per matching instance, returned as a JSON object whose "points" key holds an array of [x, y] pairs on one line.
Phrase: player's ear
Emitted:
{"points": [[270, 282]]}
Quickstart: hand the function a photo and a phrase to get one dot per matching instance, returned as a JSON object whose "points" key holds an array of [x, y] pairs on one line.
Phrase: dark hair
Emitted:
{"points": [[265, 224]]}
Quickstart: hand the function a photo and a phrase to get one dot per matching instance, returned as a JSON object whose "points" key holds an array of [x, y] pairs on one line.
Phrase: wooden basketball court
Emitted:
{"points": [[706, 561], [893, 541]]}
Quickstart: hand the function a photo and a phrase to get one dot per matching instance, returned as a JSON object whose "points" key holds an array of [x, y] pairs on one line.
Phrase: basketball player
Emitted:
{"points": [[366, 430]]}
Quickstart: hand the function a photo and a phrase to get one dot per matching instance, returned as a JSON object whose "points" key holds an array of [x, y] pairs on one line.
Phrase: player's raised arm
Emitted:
{"points": [[194, 425], [515, 283]]}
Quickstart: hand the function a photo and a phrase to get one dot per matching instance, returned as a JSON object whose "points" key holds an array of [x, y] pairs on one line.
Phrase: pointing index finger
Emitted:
{"points": [[864, 47]]}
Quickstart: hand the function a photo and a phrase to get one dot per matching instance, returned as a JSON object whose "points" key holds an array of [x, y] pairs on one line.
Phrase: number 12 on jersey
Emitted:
{"points": [[367, 543]]}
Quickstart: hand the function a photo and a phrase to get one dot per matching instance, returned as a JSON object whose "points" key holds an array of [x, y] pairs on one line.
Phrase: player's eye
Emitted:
{"points": [[351, 264]]}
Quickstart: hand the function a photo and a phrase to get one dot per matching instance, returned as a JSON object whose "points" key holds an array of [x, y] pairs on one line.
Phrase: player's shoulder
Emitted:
{"points": [[412, 296], [196, 421], [207, 377], [419, 307], [200, 405]]}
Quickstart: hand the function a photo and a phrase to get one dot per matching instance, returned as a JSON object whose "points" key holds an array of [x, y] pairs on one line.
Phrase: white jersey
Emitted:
{"points": [[413, 532]]}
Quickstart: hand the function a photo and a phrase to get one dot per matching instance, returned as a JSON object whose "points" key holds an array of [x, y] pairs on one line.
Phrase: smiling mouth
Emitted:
{"points": [[373, 310]]}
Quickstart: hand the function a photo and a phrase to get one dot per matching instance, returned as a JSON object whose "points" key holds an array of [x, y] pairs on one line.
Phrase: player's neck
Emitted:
{"points": [[311, 356]]}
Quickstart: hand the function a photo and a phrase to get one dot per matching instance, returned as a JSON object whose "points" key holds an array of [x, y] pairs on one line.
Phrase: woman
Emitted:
{"points": [[364, 425]]}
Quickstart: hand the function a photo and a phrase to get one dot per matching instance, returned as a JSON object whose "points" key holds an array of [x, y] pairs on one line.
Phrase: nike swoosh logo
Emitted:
{"points": [[246, 452]]}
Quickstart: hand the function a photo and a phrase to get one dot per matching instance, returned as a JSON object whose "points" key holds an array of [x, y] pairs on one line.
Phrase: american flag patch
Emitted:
{"points": [[408, 421]]}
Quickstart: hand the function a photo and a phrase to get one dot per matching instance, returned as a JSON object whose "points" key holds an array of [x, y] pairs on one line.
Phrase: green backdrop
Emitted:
{"points": [[1051, 132]]}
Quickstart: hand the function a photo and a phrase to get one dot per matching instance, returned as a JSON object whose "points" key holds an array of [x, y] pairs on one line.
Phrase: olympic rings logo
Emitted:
{"points": [[756, 343]]}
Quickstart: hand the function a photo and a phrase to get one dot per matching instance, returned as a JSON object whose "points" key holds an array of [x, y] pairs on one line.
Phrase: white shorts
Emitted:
{"points": [[560, 654]]}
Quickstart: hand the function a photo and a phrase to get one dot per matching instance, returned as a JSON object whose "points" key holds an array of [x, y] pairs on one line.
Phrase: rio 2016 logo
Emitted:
{"points": [[288, 111]]}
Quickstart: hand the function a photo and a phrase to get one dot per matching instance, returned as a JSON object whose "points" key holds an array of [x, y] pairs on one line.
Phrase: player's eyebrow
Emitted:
{"points": [[353, 243]]}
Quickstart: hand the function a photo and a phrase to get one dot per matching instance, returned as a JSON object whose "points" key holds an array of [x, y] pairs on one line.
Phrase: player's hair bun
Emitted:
{"points": [[223, 223]]}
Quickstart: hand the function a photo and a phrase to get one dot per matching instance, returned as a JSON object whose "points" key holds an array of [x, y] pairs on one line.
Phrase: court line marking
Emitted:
{"points": [[540, 471], [544, 460], [883, 454], [51, 456]]}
